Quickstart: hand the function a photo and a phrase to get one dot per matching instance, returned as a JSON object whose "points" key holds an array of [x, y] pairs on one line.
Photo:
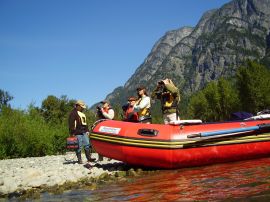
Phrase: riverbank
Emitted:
{"points": [[19, 176]]}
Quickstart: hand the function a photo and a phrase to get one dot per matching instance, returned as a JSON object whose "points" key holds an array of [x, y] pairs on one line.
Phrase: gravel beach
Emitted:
{"points": [[17, 175]]}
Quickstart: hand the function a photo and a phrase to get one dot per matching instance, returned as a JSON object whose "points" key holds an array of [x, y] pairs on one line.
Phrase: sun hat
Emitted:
{"points": [[81, 103]]}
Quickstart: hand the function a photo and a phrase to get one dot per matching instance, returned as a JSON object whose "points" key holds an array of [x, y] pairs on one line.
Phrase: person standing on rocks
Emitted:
{"points": [[104, 112], [78, 127]]}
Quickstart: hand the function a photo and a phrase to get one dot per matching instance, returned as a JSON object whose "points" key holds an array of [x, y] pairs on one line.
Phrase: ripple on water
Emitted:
{"points": [[239, 181]]}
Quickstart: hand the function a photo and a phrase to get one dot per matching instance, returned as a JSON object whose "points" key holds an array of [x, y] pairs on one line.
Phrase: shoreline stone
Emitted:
{"points": [[22, 174], [24, 177]]}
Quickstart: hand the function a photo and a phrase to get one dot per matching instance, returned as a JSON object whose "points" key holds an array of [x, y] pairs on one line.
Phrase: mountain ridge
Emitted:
{"points": [[222, 40]]}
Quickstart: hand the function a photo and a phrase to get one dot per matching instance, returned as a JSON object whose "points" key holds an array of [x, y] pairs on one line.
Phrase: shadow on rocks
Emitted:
{"points": [[111, 166], [70, 162]]}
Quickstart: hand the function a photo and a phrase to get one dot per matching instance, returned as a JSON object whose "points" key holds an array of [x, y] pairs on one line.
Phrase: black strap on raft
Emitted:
{"points": [[264, 126]]}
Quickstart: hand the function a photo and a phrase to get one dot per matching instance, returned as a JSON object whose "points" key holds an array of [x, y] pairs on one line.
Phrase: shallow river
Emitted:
{"points": [[239, 181]]}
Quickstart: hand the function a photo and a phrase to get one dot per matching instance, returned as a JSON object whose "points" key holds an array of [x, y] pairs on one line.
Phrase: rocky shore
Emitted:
{"points": [[23, 175]]}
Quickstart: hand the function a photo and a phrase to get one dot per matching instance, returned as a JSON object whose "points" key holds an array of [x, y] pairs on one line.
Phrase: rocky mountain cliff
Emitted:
{"points": [[222, 40]]}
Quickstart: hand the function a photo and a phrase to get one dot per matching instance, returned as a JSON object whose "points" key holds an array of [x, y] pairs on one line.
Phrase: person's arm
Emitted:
{"points": [[174, 90], [72, 123], [154, 93], [109, 115], [145, 102]]}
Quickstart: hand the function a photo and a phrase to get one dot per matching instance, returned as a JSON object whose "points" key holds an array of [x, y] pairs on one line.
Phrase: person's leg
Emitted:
{"points": [[166, 119], [86, 144], [100, 157], [79, 150], [173, 117]]}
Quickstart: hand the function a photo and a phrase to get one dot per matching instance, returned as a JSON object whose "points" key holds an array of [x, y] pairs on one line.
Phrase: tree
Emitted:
{"points": [[253, 85], [229, 100], [213, 99], [5, 97], [215, 102], [55, 110], [198, 106]]}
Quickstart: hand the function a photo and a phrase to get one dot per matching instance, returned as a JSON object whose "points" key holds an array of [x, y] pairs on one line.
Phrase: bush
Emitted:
{"points": [[24, 134]]}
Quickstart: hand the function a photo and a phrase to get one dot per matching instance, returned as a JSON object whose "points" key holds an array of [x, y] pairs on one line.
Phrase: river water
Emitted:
{"points": [[239, 181]]}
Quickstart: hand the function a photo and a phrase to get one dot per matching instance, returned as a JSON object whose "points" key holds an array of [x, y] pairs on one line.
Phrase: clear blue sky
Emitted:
{"points": [[85, 48]]}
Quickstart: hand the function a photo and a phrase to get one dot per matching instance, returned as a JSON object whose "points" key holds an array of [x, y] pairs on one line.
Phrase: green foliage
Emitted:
{"points": [[248, 91], [215, 102], [25, 134], [253, 84], [55, 110], [37, 131], [90, 116], [156, 112], [229, 100], [118, 112], [5, 97], [198, 106]]}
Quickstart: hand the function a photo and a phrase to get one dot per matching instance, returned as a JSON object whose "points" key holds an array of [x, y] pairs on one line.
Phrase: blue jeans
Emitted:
{"points": [[83, 141]]}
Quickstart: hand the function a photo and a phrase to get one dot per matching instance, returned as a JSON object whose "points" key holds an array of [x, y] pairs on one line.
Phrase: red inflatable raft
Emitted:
{"points": [[190, 143]]}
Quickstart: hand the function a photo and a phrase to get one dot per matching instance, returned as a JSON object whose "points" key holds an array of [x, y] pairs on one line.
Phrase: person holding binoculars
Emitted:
{"points": [[169, 96], [105, 111]]}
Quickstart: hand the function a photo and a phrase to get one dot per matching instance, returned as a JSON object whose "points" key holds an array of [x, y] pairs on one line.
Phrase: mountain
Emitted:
{"points": [[222, 40]]}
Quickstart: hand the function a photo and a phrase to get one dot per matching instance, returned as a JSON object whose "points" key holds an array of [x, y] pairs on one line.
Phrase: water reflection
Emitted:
{"points": [[240, 181]]}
